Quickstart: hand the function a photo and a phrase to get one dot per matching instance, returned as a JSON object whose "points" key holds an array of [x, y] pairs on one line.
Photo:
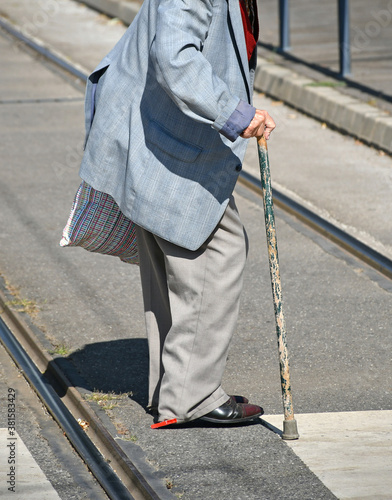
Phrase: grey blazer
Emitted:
{"points": [[163, 113]]}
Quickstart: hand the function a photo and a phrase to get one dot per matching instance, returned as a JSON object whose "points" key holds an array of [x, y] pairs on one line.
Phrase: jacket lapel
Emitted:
{"points": [[239, 41]]}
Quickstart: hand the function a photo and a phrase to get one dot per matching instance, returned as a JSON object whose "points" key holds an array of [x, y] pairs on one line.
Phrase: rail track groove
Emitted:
{"points": [[352, 245], [96, 446]]}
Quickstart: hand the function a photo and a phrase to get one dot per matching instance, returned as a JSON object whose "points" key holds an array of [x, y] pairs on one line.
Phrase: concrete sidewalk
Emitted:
{"points": [[336, 447]]}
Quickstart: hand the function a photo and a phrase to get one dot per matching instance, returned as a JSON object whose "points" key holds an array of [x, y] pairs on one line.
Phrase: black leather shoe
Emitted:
{"points": [[153, 409], [232, 412]]}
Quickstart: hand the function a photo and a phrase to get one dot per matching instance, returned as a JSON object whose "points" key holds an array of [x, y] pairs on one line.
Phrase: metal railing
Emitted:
{"points": [[344, 33]]}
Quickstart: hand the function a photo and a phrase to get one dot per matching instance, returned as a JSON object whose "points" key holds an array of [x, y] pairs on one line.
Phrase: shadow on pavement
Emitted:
{"points": [[118, 366]]}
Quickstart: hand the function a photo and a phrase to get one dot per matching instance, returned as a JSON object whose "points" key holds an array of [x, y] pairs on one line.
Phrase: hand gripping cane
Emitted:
{"points": [[290, 430]]}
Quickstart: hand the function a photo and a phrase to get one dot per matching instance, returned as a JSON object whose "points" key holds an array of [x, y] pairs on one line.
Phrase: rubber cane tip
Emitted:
{"points": [[290, 429], [164, 423]]}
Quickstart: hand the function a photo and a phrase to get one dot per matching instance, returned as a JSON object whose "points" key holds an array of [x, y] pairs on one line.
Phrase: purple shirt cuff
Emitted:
{"points": [[238, 121]]}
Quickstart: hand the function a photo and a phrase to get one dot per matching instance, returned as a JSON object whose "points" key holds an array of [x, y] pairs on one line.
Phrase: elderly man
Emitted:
{"points": [[168, 112]]}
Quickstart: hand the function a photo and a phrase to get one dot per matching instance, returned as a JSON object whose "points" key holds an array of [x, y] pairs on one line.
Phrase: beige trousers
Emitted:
{"points": [[191, 301]]}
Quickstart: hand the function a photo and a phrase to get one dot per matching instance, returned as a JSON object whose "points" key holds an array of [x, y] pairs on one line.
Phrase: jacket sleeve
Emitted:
{"points": [[187, 76]]}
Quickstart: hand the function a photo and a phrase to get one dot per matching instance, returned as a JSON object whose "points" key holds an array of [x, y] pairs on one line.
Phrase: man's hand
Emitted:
{"points": [[261, 124]]}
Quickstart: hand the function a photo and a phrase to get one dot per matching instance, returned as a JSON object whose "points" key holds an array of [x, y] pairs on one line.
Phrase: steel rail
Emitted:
{"points": [[75, 434], [44, 51], [48, 381], [27, 352], [355, 247]]}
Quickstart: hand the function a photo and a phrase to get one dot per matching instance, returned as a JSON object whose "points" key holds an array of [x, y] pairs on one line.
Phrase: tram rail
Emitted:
{"points": [[23, 346], [33, 361]]}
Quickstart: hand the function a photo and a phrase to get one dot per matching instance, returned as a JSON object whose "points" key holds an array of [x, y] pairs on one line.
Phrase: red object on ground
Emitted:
{"points": [[165, 422]]}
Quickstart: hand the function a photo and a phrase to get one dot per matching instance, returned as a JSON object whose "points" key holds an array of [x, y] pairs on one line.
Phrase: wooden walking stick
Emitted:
{"points": [[290, 430]]}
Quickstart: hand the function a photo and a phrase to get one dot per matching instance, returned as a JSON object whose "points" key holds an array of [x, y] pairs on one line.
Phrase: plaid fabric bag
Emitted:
{"points": [[97, 225]]}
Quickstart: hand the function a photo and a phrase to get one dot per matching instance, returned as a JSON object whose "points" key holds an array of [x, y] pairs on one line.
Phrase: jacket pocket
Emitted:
{"points": [[159, 137]]}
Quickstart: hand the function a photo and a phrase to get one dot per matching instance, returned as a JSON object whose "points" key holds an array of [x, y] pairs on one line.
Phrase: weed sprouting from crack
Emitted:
{"points": [[60, 350], [24, 305], [326, 84], [20, 304], [107, 400]]}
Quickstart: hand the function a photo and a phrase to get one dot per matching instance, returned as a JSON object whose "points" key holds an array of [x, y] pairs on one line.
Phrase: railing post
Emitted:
{"points": [[284, 25], [344, 37]]}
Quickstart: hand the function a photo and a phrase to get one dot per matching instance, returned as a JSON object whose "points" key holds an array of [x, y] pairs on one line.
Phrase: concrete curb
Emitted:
{"points": [[122, 9], [326, 104], [348, 114]]}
